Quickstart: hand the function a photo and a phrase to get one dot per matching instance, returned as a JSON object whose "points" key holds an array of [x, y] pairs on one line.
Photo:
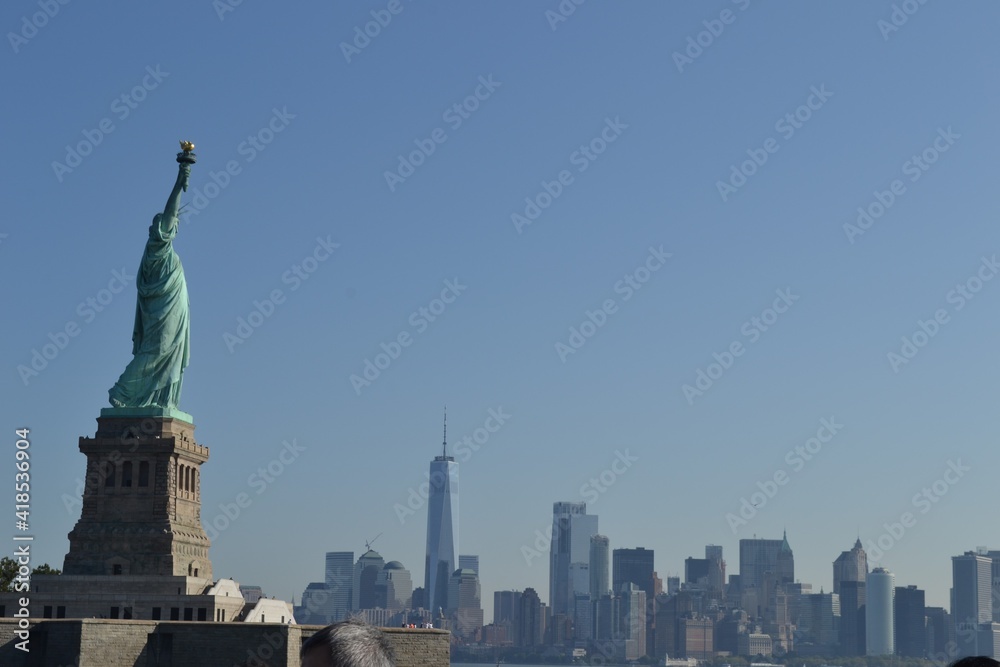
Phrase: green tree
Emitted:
{"points": [[8, 570]]}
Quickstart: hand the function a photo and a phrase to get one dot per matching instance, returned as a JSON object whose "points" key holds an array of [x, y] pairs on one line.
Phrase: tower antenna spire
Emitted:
{"points": [[444, 443]]}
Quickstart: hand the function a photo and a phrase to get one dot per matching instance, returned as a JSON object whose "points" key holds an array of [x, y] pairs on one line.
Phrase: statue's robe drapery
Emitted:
{"points": [[161, 337]]}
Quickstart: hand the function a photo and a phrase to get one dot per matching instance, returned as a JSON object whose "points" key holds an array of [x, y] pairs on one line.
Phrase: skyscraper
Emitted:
{"points": [[418, 601], [466, 608], [994, 557], [972, 604], [730, 628], [583, 618], [910, 622], [696, 572], [395, 585], [819, 620], [569, 557], [850, 566], [340, 582], [776, 614], [758, 557], [879, 615], [713, 551], [442, 527], [530, 626], [600, 556], [696, 637], [366, 572], [716, 572], [506, 605], [657, 584], [314, 607], [940, 631], [853, 604], [797, 600], [669, 610], [468, 562], [633, 566], [988, 640], [607, 617], [633, 617]]}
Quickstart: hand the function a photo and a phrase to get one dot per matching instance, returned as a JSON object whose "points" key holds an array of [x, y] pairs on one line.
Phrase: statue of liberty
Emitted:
{"points": [[161, 336]]}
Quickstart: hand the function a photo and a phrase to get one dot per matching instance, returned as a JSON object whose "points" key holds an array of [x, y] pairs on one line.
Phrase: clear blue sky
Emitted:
{"points": [[677, 128]]}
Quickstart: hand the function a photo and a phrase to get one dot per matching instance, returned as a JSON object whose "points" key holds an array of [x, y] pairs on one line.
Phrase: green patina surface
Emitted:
{"points": [[161, 336], [149, 411]]}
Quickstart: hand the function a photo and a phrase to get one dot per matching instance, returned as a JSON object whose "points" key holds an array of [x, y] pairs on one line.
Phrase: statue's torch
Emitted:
{"points": [[187, 156]]}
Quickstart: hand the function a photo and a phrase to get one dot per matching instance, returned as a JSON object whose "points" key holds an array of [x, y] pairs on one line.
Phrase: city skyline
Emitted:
{"points": [[887, 619], [713, 278], [763, 548], [529, 553]]}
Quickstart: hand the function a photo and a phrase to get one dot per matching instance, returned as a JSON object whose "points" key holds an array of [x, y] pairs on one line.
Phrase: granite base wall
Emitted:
{"points": [[120, 643]]}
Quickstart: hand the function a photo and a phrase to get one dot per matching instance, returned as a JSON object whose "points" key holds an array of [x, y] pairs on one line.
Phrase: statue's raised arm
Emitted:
{"points": [[184, 161], [161, 336], [173, 202]]}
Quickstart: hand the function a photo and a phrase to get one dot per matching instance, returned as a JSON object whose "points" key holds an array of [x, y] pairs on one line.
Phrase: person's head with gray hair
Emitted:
{"points": [[976, 661], [351, 643]]}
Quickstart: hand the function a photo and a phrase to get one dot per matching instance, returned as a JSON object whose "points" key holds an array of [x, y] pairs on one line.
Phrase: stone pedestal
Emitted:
{"points": [[107, 643], [141, 502]]}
